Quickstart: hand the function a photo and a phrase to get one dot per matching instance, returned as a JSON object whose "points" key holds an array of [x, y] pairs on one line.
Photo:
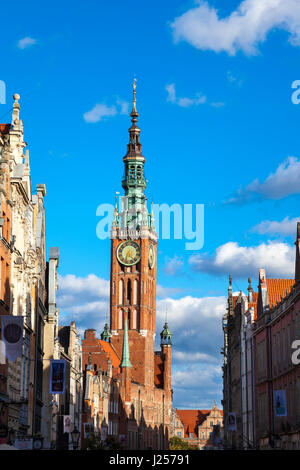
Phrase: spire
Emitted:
{"points": [[134, 114], [134, 147], [125, 355], [134, 214], [105, 335], [250, 290], [297, 263], [166, 336]]}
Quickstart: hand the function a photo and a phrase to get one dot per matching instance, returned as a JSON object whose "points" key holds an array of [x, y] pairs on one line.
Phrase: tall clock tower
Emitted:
{"points": [[133, 264]]}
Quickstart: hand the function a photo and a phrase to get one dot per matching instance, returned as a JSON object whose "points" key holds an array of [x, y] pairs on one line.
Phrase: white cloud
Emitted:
{"points": [[233, 79], [83, 299], [171, 93], [283, 183], [196, 324], [173, 266], [183, 102], [243, 30], [124, 106], [217, 104], [26, 42], [242, 261], [184, 357], [196, 377], [284, 227], [164, 292], [99, 112]]}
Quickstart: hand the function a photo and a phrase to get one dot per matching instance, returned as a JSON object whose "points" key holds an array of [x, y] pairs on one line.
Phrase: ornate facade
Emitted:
{"points": [[202, 429], [259, 331]]}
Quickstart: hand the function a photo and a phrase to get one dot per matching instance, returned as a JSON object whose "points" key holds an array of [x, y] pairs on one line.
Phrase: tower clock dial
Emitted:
{"points": [[129, 253], [151, 256]]}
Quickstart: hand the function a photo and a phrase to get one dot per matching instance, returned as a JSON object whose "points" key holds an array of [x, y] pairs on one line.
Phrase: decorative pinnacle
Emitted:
{"points": [[134, 114], [16, 110]]}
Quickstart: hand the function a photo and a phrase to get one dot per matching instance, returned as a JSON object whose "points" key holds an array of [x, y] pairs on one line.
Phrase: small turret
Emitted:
{"points": [[166, 336], [106, 334], [250, 290]]}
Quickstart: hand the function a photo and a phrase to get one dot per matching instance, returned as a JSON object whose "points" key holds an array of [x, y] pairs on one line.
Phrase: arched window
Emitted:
{"points": [[120, 319], [135, 292], [121, 291], [134, 319], [129, 319], [132, 171], [139, 171], [128, 297]]}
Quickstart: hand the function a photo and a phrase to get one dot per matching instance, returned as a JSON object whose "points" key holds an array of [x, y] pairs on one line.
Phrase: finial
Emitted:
{"points": [[116, 200], [134, 113], [16, 110], [230, 280]]}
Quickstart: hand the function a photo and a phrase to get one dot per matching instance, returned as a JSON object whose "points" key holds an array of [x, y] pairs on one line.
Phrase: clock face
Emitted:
{"points": [[151, 256], [129, 253]]}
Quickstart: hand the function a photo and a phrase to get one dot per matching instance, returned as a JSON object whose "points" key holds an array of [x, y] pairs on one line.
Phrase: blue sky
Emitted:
{"points": [[218, 127]]}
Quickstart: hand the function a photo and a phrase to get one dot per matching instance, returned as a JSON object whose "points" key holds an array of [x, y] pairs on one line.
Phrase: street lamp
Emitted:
{"points": [[75, 434], [11, 436]]}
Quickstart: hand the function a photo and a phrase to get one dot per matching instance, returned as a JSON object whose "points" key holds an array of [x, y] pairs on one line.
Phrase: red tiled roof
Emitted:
{"points": [[107, 347], [191, 419], [4, 128], [277, 288]]}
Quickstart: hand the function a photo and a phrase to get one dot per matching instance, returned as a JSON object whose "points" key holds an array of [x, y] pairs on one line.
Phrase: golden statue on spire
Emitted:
{"points": [[134, 84]]}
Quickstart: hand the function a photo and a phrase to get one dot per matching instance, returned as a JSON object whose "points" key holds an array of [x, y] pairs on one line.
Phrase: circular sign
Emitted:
{"points": [[129, 253], [151, 256], [12, 333]]}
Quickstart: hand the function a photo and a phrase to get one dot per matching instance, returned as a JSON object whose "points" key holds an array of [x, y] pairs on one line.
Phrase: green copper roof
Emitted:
{"points": [[134, 213], [105, 335], [125, 355], [166, 336]]}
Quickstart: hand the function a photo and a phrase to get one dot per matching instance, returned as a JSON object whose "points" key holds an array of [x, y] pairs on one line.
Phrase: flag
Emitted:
{"points": [[57, 376], [12, 335], [231, 422], [279, 403]]}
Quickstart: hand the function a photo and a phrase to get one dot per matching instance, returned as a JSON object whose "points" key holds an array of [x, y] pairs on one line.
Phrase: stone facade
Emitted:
{"points": [[28, 289], [25, 293], [259, 331]]}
